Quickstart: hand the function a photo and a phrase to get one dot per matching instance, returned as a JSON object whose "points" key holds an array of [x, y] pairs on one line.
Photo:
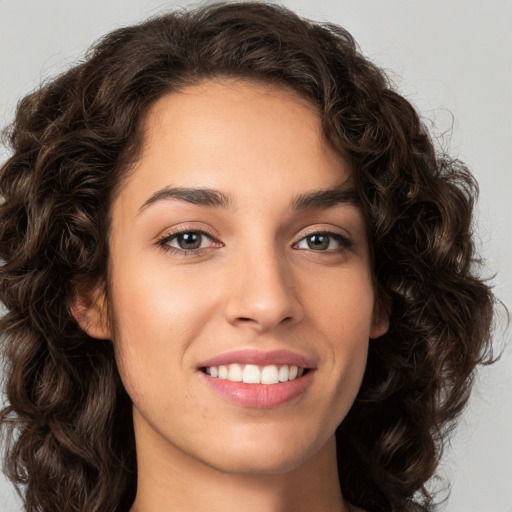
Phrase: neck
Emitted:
{"points": [[169, 480]]}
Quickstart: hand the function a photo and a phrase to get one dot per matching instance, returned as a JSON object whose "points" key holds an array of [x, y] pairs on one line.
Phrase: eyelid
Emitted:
{"points": [[163, 240], [344, 240], [187, 229], [319, 230]]}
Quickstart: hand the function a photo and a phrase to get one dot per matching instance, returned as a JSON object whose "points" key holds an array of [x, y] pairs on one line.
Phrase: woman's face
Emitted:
{"points": [[238, 251]]}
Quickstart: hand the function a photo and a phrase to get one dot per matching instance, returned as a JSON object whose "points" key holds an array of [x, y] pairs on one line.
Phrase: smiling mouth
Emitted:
{"points": [[254, 374]]}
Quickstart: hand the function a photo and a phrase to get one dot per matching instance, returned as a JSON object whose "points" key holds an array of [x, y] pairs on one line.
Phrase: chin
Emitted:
{"points": [[265, 454], [255, 464]]}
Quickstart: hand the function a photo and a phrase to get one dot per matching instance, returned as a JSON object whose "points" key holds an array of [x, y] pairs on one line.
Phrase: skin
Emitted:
{"points": [[255, 284]]}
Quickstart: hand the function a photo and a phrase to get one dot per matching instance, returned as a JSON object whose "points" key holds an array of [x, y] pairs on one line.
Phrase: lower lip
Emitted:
{"points": [[260, 396]]}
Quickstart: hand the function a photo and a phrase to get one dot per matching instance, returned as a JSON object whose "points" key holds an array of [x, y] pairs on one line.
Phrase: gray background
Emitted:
{"points": [[452, 60]]}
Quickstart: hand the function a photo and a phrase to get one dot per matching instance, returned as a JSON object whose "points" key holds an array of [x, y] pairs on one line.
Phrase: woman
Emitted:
{"points": [[237, 276]]}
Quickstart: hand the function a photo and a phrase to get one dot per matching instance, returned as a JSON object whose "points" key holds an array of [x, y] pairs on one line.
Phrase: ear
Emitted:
{"points": [[89, 308], [380, 323], [379, 328], [381, 313]]}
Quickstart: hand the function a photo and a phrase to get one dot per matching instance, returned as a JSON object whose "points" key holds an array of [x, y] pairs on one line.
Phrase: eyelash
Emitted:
{"points": [[344, 242], [164, 241]]}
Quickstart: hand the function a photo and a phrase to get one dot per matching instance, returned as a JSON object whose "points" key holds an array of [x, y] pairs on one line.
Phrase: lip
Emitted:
{"points": [[259, 396], [260, 358]]}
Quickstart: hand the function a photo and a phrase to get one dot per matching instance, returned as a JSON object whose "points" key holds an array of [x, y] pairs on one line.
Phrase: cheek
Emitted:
{"points": [[158, 314], [158, 305], [342, 312], [344, 304]]}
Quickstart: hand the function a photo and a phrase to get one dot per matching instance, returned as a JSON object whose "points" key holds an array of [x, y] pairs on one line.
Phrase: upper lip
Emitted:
{"points": [[260, 358]]}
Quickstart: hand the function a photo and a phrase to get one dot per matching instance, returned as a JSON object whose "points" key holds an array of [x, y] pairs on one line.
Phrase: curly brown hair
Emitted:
{"points": [[69, 432]]}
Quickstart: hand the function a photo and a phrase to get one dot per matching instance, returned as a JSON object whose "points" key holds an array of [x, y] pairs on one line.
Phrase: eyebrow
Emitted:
{"points": [[211, 198]]}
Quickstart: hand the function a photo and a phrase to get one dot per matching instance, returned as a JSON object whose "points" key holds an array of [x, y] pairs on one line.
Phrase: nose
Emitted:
{"points": [[262, 293]]}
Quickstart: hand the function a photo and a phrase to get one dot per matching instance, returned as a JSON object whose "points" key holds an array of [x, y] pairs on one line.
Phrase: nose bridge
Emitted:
{"points": [[262, 291]]}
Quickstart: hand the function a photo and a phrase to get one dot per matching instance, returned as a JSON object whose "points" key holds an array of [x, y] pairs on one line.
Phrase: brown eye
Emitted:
{"points": [[318, 242], [184, 241], [189, 241], [325, 242]]}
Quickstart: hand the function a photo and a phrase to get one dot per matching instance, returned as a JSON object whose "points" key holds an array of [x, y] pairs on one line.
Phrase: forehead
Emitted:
{"points": [[218, 94], [245, 138]]}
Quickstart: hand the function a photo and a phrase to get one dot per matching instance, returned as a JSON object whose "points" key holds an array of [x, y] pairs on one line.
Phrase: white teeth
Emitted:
{"points": [[235, 373], [270, 375], [254, 374], [251, 374], [223, 372], [284, 373]]}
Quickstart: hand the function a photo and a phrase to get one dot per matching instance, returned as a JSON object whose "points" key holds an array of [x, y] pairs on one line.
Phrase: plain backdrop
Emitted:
{"points": [[452, 59]]}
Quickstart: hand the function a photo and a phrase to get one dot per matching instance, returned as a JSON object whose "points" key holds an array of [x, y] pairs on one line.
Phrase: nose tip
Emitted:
{"points": [[262, 317], [263, 296]]}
